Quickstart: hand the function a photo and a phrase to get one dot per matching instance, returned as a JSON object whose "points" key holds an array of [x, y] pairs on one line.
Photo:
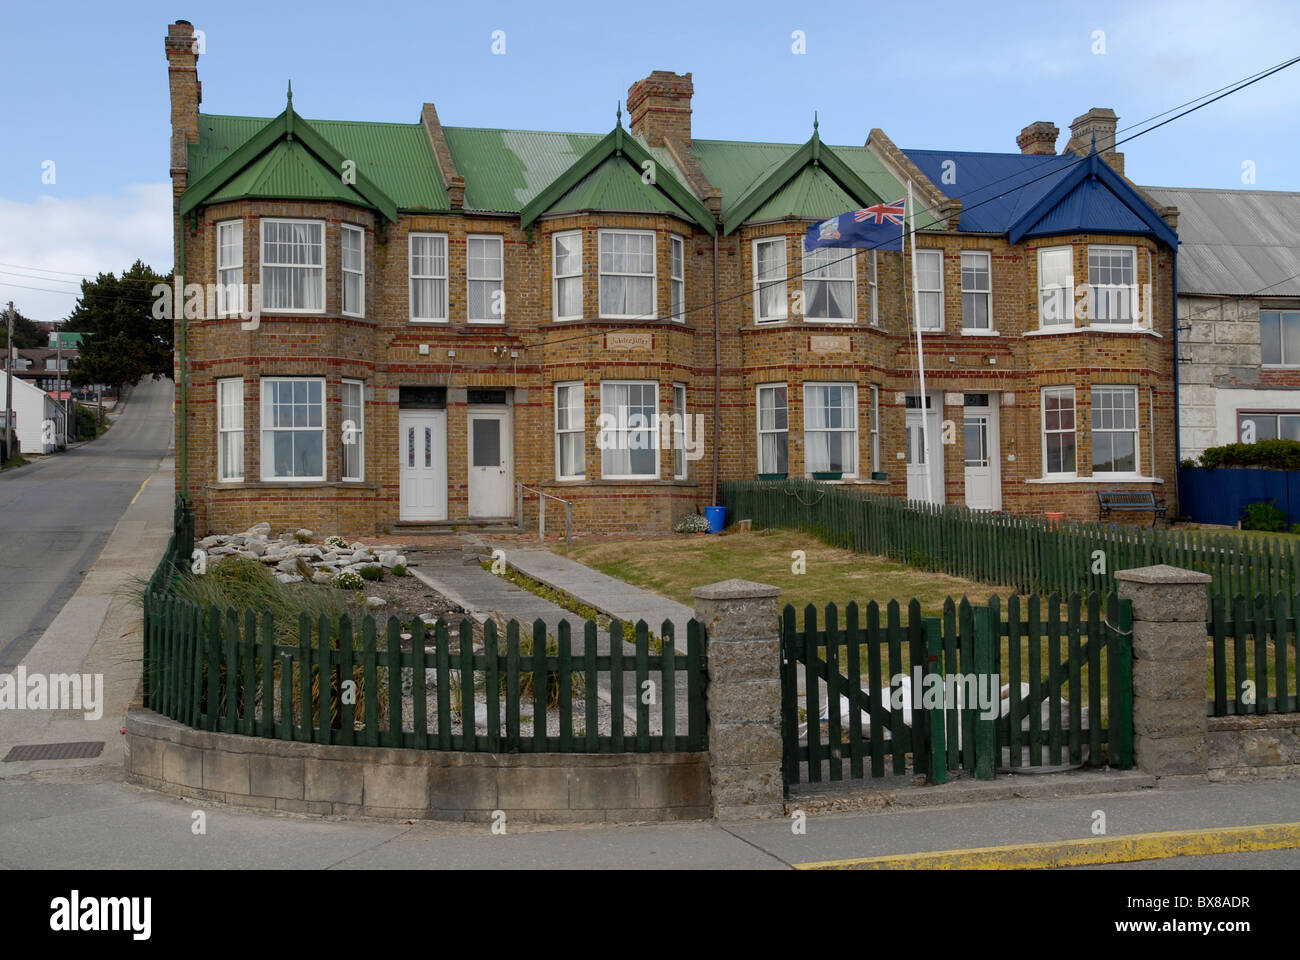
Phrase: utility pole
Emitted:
{"points": [[9, 382], [58, 379]]}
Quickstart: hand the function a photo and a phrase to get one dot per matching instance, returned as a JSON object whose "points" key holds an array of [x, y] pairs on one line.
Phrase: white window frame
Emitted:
{"points": [[263, 264], [815, 274], [1074, 408], [677, 277], [781, 285], [225, 427], [557, 278], [936, 292], [758, 421], [987, 294], [651, 430], [499, 280], [1135, 431], [874, 286], [267, 449], [345, 271], [359, 436], [1048, 292], [412, 277], [1283, 360], [1131, 288], [679, 431], [561, 433], [653, 275], [852, 428], [875, 428], [1256, 415], [230, 272]]}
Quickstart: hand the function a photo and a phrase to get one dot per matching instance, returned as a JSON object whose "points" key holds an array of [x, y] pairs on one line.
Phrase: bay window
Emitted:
{"points": [[629, 436], [230, 268], [353, 430], [570, 432], [830, 287], [567, 271], [769, 280], [293, 266], [1058, 432], [354, 271], [293, 429], [230, 430], [1112, 284], [627, 274], [1114, 430], [830, 428], [773, 429], [1056, 287]]}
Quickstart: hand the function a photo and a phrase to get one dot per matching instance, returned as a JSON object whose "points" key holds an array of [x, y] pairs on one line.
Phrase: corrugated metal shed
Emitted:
{"points": [[1236, 242]]}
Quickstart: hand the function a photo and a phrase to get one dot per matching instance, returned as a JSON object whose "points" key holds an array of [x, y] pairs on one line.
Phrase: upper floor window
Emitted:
{"points": [[428, 290], [1112, 284], [230, 267], [1114, 430], [929, 289], [1254, 427], [627, 274], [677, 268], [486, 273], [1279, 337], [1056, 287], [293, 266], [1058, 432], [567, 270], [830, 288], [874, 283], [976, 291], [354, 271], [293, 429], [769, 280]]}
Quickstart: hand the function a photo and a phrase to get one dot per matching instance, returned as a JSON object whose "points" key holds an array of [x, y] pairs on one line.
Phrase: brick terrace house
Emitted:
{"points": [[1239, 313], [448, 311]]}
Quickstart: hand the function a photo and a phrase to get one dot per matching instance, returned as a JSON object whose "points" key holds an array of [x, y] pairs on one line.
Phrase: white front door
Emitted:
{"points": [[919, 460], [422, 436], [980, 440], [491, 463]]}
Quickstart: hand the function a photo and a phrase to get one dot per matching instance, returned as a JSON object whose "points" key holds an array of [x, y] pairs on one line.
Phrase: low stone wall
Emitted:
{"points": [[1266, 747], [414, 784]]}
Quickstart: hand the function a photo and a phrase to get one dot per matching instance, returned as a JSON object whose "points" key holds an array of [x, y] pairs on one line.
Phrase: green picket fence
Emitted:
{"points": [[1032, 649], [1249, 641], [226, 672], [180, 546], [1012, 550]]}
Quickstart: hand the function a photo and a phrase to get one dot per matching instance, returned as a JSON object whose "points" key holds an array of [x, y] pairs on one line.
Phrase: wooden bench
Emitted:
{"points": [[1129, 501]]}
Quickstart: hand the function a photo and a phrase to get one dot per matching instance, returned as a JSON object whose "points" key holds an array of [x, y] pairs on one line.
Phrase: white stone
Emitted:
{"points": [[388, 558], [288, 578], [375, 602], [262, 529], [302, 533], [322, 577]]}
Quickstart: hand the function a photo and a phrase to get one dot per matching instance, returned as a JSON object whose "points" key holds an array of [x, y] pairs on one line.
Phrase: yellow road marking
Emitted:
{"points": [[1072, 853], [140, 491]]}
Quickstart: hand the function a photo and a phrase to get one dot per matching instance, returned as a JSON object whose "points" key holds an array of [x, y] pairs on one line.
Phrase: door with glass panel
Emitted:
{"points": [[491, 467], [980, 442], [422, 436], [919, 459]]}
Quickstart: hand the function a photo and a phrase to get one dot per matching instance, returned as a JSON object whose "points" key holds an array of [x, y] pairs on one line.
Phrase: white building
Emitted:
{"points": [[1238, 315], [41, 423]]}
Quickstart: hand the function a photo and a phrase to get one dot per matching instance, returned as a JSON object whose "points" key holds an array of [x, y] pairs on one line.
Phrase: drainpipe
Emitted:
{"points": [[178, 308], [717, 373], [1178, 440]]}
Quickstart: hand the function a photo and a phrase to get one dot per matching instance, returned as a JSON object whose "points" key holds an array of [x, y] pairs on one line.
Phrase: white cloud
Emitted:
{"points": [[87, 236]]}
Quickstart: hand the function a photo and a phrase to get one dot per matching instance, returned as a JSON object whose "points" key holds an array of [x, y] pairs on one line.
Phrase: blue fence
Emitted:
{"points": [[1220, 495]]}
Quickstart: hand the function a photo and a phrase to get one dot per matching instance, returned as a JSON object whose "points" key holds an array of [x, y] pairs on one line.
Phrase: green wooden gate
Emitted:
{"points": [[965, 691]]}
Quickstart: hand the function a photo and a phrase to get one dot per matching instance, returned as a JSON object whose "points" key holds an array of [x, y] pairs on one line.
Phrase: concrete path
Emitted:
{"points": [[609, 595], [92, 821], [96, 630]]}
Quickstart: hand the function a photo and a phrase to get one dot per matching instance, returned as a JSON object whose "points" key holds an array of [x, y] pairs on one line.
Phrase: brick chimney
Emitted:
{"points": [[1099, 122], [660, 107], [186, 91], [1038, 138]]}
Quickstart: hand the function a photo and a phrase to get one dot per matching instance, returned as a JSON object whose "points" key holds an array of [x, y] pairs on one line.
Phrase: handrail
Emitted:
{"points": [[542, 497]]}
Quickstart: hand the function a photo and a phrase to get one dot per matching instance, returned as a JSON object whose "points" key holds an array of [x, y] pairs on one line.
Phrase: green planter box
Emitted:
{"points": [[879, 476], [773, 476], [828, 475]]}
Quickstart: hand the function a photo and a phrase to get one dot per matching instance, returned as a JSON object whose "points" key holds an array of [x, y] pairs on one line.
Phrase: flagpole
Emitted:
{"points": [[920, 354]]}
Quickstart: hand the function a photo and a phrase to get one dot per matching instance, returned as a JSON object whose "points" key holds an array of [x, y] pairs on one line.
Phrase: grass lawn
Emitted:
{"points": [[1247, 537], [671, 566]]}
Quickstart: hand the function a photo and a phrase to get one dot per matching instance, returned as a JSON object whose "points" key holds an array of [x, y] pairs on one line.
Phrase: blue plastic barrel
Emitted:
{"points": [[717, 517]]}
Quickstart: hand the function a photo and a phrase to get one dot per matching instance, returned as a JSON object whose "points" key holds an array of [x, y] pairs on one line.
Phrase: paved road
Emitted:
{"points": [[59, 512]]}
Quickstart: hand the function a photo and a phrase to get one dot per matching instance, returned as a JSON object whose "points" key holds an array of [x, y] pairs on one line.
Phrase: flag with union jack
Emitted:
{"points": [[879, 227]]}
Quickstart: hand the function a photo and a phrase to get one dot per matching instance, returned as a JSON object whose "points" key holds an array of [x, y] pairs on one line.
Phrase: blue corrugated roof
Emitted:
{"points": [[1089, 208], [995, 189]]}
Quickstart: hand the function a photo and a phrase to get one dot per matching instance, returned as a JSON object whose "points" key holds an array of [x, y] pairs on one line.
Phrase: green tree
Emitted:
{"points": [[124, 340], [26, 332]]}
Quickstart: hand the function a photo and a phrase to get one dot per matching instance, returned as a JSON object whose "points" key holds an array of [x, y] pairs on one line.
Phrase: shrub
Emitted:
{"points": [[692, 523], [336, 543], [1263, 515], [399, 570], [577, 681], [372, 573], [348, 580], [1270, 454], [87, 424]]}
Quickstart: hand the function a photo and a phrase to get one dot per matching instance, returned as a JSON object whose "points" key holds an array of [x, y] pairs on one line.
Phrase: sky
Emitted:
{"points": [[85, 117]]}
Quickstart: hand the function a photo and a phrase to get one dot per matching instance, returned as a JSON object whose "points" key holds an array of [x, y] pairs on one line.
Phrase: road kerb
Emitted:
{"points": [[1083, 852]]}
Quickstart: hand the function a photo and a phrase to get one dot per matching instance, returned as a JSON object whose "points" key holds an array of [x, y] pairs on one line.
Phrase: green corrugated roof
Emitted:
{"points": [[286, 172], [615, 185], [396, 157], [812, 193]]}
